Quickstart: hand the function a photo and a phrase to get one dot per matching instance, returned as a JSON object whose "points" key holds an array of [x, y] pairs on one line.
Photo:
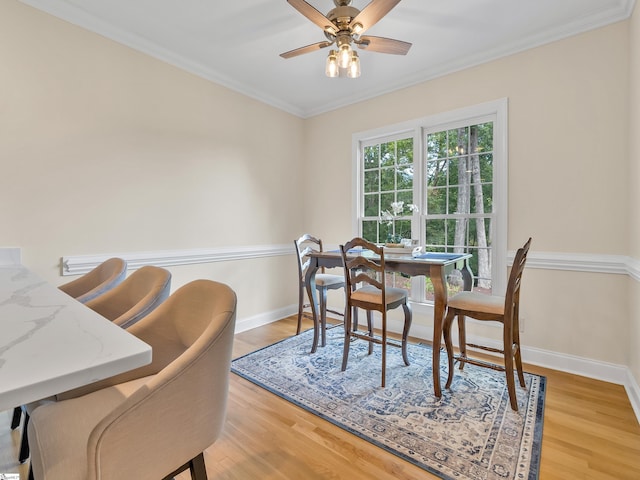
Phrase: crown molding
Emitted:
{"points": [[558, 32], [77, 16]]}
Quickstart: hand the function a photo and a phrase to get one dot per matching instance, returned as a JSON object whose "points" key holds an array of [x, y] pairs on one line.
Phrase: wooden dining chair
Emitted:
{"points": [[364, 264], [504, 310], [305, 245]]}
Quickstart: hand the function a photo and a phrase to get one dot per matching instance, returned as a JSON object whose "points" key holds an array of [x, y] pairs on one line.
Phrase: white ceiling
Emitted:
{"points": [[237, 43]]}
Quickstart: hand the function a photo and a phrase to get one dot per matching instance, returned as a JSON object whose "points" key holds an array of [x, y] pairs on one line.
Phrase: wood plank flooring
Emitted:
{"points": [[590, 432]]}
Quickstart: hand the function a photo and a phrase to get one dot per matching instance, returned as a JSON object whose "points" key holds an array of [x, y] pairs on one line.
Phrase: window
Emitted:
{"points": [[388, 183], [441, 181]]}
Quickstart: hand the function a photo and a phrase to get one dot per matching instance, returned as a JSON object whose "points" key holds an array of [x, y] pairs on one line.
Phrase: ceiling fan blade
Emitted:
{"points": [[372, 13], [384, 45], [302, 50], [314, 15]]}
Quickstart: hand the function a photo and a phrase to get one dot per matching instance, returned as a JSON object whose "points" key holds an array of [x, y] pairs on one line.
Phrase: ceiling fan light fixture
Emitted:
{"points": [[354, 66], [344, 55], [332, 69], [344, 25]]}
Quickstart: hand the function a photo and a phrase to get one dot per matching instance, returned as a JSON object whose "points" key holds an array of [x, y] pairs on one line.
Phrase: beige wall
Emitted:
{"points": [[568, 157], [634, 187], [104, 149]]}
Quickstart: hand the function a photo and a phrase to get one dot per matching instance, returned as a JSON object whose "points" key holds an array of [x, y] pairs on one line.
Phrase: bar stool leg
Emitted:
{"points": [[15, 420]]}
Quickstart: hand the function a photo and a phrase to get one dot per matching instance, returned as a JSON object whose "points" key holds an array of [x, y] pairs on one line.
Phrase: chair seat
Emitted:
{"points": [[327, 279], [372, 294], [77, 418], [477, 302]]}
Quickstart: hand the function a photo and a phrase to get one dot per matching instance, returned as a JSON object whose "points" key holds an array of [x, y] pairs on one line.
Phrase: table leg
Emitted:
{"points": [[467, 276], [439, 305], [310, 283]]}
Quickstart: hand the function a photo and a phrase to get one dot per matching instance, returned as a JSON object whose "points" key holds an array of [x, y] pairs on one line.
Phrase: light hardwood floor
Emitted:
{"points": [[590, 432]]}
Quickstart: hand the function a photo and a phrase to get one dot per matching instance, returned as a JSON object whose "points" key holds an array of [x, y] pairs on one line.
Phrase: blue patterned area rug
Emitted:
{"points": [[470, 433]]}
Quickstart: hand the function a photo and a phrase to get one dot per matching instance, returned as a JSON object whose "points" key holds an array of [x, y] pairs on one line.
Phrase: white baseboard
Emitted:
{"points": [[586, 367], [242, 325], [633, 391]]}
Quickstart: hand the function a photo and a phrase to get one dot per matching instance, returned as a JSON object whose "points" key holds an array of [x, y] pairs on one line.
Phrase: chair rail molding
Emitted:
{"points": [[81, 264], [633, 267], [582, 262]]}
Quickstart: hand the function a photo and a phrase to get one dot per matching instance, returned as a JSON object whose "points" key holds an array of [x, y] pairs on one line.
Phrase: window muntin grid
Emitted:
{"points": [[494, 180], [388, 177], [459, 171]]}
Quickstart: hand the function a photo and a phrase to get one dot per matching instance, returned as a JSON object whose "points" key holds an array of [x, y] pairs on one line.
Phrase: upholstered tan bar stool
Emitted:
{"points": [[125, 304], [101, 279], [135, 297], [155, 421]]}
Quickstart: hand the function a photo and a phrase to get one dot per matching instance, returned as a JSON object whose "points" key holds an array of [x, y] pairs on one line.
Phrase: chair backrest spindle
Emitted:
{"points": [[515, 277]]}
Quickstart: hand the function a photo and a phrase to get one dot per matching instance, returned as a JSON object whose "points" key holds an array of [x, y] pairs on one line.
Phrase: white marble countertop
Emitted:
{"points": [[50, 343]]}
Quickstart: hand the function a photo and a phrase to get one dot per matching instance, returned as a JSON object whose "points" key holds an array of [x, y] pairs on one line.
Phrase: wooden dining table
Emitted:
{"points": [[50, 342], [435, 266]]}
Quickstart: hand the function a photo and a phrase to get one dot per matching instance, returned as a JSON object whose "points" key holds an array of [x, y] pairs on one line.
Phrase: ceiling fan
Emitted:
{"points": [[343, 26]]}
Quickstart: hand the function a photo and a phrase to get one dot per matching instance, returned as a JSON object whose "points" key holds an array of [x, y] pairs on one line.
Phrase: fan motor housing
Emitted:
{"points": [[342, 16]]}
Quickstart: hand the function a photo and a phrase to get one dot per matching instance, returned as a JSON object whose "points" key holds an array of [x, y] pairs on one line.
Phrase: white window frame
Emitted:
{"points": [[496, 111]]}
